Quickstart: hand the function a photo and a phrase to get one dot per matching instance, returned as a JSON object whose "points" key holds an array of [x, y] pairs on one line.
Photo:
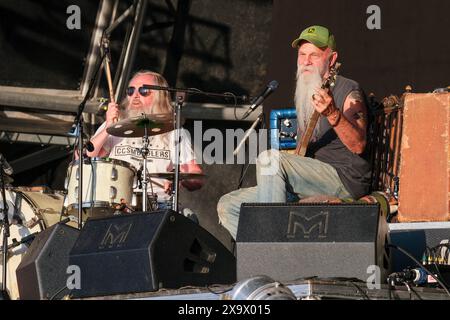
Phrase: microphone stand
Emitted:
{"points": [[180, 100], [77, 130], [248, 133], [6, 234]]}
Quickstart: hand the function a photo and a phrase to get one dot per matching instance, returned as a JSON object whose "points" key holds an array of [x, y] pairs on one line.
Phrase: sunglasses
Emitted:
{"points": [[142, 91]]}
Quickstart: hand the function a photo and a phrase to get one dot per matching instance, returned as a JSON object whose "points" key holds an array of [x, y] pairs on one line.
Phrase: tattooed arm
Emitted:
{"points": [[351, 124]]}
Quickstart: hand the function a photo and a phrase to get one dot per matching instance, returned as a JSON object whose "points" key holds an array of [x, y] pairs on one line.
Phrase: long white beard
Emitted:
{"points": [[130, 112], [306, 86], [127, 111]]}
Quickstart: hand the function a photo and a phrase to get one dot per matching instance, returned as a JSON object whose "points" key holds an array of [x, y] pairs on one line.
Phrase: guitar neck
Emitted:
{"points": [[301, 147]]}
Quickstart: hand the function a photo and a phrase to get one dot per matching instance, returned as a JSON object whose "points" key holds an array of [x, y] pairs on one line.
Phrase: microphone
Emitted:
{"points": [[417, 276], [89, 146], [271, 87], [25, 240], [6, 166]]}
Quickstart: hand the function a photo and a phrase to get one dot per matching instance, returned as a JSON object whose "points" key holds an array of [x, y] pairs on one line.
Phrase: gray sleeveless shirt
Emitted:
{"points": [[353, 169]]}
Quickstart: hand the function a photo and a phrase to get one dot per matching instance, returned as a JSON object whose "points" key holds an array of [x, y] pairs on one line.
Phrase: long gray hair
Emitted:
{"points": [[161, 102]]}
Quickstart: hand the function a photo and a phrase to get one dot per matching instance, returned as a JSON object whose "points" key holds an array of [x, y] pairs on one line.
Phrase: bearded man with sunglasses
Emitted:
{"points": [[141, 100]]}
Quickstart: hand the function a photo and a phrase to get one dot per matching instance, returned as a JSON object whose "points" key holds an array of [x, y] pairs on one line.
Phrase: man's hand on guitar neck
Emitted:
{"points": [[350, 125], [323, 102]]}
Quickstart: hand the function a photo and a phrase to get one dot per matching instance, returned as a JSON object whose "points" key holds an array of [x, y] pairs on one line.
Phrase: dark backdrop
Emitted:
{"points": [[411, 47]]}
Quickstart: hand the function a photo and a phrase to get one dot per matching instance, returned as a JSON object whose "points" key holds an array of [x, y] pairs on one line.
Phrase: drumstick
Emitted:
{"points": [[108, 73], [108, 77]]}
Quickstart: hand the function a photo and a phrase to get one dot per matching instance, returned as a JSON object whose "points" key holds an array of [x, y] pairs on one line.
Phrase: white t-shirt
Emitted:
{"points": [[161, 154]]}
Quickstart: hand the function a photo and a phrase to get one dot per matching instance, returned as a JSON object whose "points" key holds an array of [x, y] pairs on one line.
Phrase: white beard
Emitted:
{"points": [[127, 111], [131, 112], [306, 86]]}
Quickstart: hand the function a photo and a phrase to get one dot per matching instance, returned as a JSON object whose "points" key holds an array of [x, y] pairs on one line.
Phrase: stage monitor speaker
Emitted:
{"points": [[143, 252], [42, 273], [293, 241]]}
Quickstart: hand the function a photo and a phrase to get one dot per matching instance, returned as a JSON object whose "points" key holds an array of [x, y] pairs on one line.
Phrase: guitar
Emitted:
{"points": [[327, 83]]}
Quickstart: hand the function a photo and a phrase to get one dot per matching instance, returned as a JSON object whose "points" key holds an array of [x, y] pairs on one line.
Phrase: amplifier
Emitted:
{"points": [[148, 251], [292, 241], [415, 237], [424, 189], [283, 129]]}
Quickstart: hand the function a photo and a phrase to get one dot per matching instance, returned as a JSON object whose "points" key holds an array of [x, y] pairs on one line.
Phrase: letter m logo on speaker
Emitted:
{"points": [[116, 235], [297, 238], [300, 225]]}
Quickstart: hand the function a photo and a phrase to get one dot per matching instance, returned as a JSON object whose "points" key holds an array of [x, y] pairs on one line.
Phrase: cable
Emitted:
{"points": [[410, 289], [440, 246], [58, 292], [389, 289], [433, 253], [235, 103], [420, 265], [242, 175], [361, 291], [220, 292]]}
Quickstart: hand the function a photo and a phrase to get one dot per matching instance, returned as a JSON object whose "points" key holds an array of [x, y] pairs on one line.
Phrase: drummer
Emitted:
{"points": [[161, 155]]}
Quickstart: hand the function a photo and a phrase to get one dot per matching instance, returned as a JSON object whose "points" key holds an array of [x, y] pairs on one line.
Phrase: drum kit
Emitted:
{"points": [[109, 187], [30, 211]]}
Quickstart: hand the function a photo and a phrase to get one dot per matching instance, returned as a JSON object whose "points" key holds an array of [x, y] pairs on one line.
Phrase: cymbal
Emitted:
{"points": [[136, 126], [171, 175]]}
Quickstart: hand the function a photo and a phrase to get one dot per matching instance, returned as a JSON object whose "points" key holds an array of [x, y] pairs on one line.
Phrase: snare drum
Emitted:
{"points": [[28, 212], [106, 184]]}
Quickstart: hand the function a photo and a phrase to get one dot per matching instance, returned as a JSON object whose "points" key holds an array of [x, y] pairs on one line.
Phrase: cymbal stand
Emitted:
{"points": [[144, 153], [180, 100], [4, 293]]}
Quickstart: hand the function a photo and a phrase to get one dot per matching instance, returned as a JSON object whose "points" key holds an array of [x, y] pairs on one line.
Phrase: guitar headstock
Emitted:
{"points": [[330, 81]]}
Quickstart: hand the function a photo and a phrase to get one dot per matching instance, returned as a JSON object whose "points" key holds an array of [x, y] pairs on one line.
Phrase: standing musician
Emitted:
{"points": [[161, 154], [335, 162]]}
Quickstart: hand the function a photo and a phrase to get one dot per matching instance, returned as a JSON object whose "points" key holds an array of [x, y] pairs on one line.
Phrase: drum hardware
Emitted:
{"points": [[143, 126], [171, 175], [69, 218], [31, 223], [152, 196], [144, 153], [6, 232]]}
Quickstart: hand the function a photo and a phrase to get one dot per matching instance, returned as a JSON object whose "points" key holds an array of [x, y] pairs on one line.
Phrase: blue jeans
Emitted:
{"points": [[278, 176]]}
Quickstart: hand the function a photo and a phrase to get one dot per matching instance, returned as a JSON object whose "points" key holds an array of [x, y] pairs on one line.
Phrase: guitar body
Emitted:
{"points": [[303, 146]]}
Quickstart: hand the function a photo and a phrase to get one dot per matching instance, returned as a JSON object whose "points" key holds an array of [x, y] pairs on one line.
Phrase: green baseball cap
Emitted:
{"points": [[317, 35]]}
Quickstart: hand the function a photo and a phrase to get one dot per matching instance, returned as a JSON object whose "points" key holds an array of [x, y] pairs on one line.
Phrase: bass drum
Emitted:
{"points": [[29, 212]]}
